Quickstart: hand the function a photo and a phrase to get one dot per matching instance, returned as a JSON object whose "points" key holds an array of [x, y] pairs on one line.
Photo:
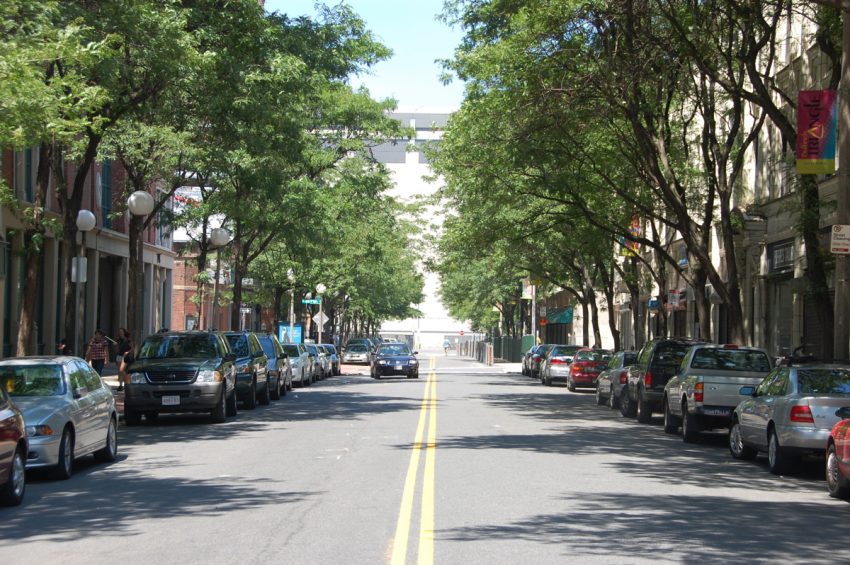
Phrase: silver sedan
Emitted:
{"points": [[68, 410], [790, 413]]}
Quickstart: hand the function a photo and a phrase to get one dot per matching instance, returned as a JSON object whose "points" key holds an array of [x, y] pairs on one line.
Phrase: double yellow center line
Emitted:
{"points": [[427, 414]]}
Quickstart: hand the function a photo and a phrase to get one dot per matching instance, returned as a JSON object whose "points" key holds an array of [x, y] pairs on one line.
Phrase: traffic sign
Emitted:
{"points": [[321, 318], [840, 242], [311, 301]]}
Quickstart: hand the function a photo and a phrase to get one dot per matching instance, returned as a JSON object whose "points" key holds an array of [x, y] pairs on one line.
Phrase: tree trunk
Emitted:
{"points": [[702, 303], [585, 322], [815, 267], [200, 277], [134, 266], [278, 302]]}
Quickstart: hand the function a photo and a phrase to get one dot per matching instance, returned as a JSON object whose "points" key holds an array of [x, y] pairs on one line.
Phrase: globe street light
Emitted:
{"points": [[140, 204], [320, 290], [290, 275], [85, 223], [219, 237]]}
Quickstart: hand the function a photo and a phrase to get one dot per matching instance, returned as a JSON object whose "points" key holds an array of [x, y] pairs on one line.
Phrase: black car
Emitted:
{"points": [[252, 369], [280, 375], [181, 372], [395, 359]]}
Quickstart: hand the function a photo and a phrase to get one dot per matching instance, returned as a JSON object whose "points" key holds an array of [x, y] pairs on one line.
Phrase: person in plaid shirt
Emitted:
{"points": [[98, 351]]}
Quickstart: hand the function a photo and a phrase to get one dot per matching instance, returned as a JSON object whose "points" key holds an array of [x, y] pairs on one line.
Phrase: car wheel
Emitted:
{"points": [[132, 417], [737, 447], [265, 397], [219, 413], [671, 422], [778, 459], [600, 400], [274, 393], [690, 425], [12, 493], [65, 468], [251, 400], [627, 408], [151, 416], [571, 385], [644, 413], [109, 452], [232, 408], [612, 400], [284, 386], [836, 484]]}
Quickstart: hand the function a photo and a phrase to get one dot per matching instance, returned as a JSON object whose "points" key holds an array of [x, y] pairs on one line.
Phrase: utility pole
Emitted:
{"points": [[841, 341]]}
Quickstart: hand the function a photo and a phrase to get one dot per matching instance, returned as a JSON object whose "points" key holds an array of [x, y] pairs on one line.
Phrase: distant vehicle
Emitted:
{"points": [[280, 373], [68, 410], [322, 361], [333, 358], [13, 452], [357, 353], [555, 365], [613, 379], [535, 362], [395, 359], [181, 372], [586, 365], [252, 369], [838, 457], [526, 359], [300, 362], [706, 389], [790, 413]]}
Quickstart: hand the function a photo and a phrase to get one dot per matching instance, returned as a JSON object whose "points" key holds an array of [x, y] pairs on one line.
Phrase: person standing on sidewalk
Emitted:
{"points": [[124, 346], [98, 351]]}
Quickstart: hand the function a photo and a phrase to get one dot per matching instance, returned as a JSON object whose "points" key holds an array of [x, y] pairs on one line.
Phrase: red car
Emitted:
{"points": [[838, 457], [586, 366], [13, 452]]}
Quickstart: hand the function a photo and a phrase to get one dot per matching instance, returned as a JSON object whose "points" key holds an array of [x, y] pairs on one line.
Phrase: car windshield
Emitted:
{"points": [[33, 380], [357, 348], [564, 350], [179, 346], [730, 360], [291, 350], [239, 344], [597, 355], [267, 344], [394, 349], [823, 381], [313, 349], [669, 354]]}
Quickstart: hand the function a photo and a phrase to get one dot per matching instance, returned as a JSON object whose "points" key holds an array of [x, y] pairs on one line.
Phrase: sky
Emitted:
{"points": [[417, 39]]}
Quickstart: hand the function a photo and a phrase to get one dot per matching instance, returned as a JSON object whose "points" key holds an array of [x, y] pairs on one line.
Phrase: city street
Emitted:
{"points": [[467, 464]]}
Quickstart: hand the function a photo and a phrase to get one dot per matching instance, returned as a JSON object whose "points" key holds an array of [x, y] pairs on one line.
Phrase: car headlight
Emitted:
{"points": [[209, 377], [382, 362], [42, 430], [137, 378], [414, 362], [243, 368]]}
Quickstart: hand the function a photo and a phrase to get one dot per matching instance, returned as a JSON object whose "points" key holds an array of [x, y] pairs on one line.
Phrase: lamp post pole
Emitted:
{"points": [[290, 275], [140, 204], [841, 336], [85, 223], [320, 289], [219, 237]]}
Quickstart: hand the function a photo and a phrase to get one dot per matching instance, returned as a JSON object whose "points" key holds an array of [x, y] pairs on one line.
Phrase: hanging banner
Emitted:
{"points": [[630, 248], [817, 112]]}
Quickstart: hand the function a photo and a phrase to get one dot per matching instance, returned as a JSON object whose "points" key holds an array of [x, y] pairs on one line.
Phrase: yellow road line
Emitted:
{"points": [[402, 530], [426, 526]]}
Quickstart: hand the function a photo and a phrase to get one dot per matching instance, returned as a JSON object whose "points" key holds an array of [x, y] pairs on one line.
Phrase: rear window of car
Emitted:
{"points": [[239, 344], [33, 380], [268, 346], [179, 346], [600, 355], [629, 358], [568, 350], [730, 360], [291, 350], [394, 349], [823, 381], [669, 354], [357, 348]]}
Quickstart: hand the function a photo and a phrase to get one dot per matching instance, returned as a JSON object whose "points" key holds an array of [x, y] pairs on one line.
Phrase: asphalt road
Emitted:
{"points": [[464, 465]]}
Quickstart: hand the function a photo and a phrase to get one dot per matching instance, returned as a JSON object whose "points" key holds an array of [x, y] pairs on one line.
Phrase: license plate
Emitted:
{"points": [[717, 411], [170, 400]]}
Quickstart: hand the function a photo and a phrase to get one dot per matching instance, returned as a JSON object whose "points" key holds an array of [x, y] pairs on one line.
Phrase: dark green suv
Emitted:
{"points": [[181, 372], [252, 369]]}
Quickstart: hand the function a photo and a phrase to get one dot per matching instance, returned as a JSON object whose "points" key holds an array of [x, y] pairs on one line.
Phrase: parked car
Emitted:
{"points": [[333, 358], [356, 353], [790, 413], [706, 389], [280, 374], [322, 363], [13, 452], [300, 363], [190, 371], [526, 359], [612, 380], [586, 365], [535, 364], [252, 369], [555, 365], [659, 359], [395, 359], [68, 410], [838, 457]]}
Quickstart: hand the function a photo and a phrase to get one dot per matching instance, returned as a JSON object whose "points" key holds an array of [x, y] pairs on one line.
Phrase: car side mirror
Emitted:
{"points": [[283, 357], [747, 391], [79, 392]]}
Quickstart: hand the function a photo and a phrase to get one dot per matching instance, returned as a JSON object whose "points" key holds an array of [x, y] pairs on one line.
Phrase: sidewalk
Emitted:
{"points": [[110, 377]]}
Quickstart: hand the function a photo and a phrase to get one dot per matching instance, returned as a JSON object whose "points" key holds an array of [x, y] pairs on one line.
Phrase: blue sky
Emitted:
{"points": [[410, 29]]}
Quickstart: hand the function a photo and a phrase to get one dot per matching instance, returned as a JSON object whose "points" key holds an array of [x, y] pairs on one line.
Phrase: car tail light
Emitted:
{"points": [[647, 378], [558, 361], [536, 358], [623, 378], [699, 390], [802, 414]]}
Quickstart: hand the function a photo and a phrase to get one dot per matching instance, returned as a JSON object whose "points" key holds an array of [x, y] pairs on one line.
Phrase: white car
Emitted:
{"points": [[300, 363]]}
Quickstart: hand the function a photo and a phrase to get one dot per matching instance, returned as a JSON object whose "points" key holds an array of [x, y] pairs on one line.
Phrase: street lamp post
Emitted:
{"points": [[140, 204], [85, 223], [320, 289], [219, 237], [290, 275]]}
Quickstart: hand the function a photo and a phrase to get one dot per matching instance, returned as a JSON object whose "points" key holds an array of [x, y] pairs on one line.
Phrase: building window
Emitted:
{"points": [[106, 193], [190, 323], [780, 256], [26, 167]]}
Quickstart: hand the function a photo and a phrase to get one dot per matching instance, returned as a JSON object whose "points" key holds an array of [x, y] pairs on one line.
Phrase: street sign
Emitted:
{"points": [[321, 318], [245, 310], [311, 301], [840, 242]]}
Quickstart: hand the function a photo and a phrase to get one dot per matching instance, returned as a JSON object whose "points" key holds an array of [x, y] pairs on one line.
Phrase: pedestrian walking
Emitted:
{"points": [[124, 346], [63, 348], [128, 357], [446, 345], [98, 351]]}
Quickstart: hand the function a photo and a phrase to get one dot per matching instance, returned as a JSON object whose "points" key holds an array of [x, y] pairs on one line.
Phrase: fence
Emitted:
{"points": [[508, 349]]}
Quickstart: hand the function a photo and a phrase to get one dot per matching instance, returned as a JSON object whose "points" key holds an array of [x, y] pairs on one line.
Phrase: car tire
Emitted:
{"points": [[627, 406], [132, 417], [836, 484], [671, 422], [265, 397], [12, 493], [232, 407], [219, 413], [737, 447], [571, 385], [778, 460], [690, 425], [642, 410], [600, 401], [612, 400], [251, 400], [151, 416], [274, 393], [65, 468], [109, 452], [284, 387]]}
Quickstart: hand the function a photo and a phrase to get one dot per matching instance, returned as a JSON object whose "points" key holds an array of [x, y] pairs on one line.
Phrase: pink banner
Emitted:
{"points": [[816, 131]]}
